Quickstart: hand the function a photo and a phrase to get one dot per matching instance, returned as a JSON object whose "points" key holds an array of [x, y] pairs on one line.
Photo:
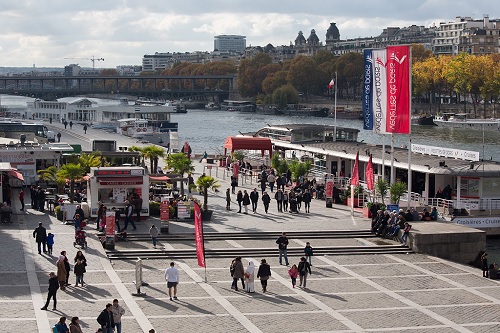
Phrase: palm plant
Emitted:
{"points": [[153, 153], [397, 190], [50, 175], [299, 169], [180, 164], [72, 172], [382, 187], [206, 182], [140, 150], [88, 161]]}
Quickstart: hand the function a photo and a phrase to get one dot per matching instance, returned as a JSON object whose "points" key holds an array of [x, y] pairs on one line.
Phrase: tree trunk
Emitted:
{"points": [[72, 190], [205, 198]]}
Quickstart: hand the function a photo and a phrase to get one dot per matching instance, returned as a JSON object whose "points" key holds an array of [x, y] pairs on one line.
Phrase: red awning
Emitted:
{"points": [[120, 181], [16, 174], [248, 143], [159, 178]]}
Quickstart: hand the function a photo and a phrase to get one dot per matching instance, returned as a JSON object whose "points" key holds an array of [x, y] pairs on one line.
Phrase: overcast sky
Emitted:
{"points": [[44, 32]]}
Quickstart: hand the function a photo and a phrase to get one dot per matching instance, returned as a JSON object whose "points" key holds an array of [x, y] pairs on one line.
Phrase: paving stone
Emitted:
{"points": [[271, 302], [470, 313], [412, 283], [332, 242], [484, 328], [292, 322], [361, 259], [428, 330], [187, 289], [212, 324], [385, 270], [18, 310], [439, 268], [390, 318], [490, 291], [414, 257], [357, 301], [15, 292], [442, 297], [13, 279], [471, 280], [155, 307], [20, 326]]}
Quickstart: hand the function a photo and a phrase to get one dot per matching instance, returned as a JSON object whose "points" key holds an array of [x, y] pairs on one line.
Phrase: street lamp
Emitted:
{"points": [[122, 150]]}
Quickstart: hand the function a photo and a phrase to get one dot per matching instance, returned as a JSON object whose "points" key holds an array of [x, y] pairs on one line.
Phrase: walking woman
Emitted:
{"points": [[246, 201], [239, 199], [304, 269], [250, 278], [61, 272], [74, 326], [264, 273]]}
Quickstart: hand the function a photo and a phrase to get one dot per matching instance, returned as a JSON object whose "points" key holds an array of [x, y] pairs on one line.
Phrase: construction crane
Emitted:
{"points": [[93, 59]]}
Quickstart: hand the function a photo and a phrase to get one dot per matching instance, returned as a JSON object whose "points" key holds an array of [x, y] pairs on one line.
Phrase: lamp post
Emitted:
{"points": [[122, 150]]}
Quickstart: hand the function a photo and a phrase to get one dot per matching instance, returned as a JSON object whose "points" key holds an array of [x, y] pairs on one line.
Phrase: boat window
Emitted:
{"points": [[491, 187]]}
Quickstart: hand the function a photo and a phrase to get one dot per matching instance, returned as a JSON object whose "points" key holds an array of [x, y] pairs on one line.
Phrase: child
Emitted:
{"points": [[79, 269], [308, 251], [484, 264], [153, 232], [293, 272], [50, 242], [406, 232]]}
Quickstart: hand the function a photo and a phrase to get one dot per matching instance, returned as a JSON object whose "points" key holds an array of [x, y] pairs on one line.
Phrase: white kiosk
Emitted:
{"points": [[114, 185]]}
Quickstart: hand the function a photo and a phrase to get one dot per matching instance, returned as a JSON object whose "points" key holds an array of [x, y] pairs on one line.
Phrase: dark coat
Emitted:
{"points": [[278, 196], [306, 197], [254, 196], [239, 197], [239, 271], [264, 271], [246, 199], [53, 284], [266, 198], [106, 318], [79, 269], [304, 268], [282, 242], [40, 234]]}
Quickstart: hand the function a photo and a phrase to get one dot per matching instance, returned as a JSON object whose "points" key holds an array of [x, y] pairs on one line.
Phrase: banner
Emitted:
{"points": [[164, 210], [368, 90], [355, 172], [369, 175], [398, 89], [198, 234], [329, 188], [331, 84], [379, 94], [110, 224]]}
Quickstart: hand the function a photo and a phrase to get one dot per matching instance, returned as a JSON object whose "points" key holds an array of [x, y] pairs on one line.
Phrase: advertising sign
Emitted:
{"points": [[110, 224], [446, 152], [183, 210], [478, 222], [164, 210], [329, 188], [198, 233]]}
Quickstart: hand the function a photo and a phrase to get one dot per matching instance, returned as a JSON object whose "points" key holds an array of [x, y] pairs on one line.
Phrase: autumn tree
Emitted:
{"points": [[285, 95], [252, 72], [304, 75], [349, 72]]}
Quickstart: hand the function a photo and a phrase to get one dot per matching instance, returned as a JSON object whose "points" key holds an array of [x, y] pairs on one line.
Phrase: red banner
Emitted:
{"points": [[164, 210], [236, 169], [198, 234], [369, 175], [355, 172], [398, 70], [110, 224], [329, 188]]}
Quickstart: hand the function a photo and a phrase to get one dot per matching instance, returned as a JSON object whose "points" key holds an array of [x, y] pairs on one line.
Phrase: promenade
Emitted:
{"points": [[362, 293]]}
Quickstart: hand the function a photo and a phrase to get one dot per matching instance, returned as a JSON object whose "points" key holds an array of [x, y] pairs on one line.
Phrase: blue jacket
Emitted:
{"points": [[62, 328], [50, 239]]}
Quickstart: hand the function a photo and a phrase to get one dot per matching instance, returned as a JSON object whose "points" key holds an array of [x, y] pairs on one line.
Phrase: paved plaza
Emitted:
{"points": [[362, 293]]}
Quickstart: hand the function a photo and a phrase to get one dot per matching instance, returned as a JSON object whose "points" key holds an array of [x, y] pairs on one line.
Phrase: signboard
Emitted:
{"points": [[478, 222], [446, 152], [392, 207], [164, 210], [122, 172], [183, 210], [110, 224], [329, 188], [119, 194]]}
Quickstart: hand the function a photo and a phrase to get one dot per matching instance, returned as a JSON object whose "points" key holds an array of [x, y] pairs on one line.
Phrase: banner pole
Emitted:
{"points": [[383, 156], [352, 200], [409, 171], [335, 108], [393, 174]]}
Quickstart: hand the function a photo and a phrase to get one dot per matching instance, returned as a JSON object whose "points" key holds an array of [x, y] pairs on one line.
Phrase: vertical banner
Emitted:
{"points": [[236, 169], [368, 90], [355, 172], [198, 234], [398, 89], [164, 210], [329, 188], [379, 94], [110, 224], [369, 176]]}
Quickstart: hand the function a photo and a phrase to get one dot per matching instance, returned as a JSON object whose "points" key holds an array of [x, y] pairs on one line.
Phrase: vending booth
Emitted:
{"points": [[112, 186]]}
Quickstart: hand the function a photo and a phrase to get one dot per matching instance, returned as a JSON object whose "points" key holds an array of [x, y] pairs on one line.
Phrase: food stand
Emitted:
{"points": [[112, 186]]}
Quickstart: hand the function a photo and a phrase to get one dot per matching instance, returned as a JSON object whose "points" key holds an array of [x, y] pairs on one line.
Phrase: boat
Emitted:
{"points": [[465, 121], [305, 111], [146, 130], [212, 106], [423, 120], [343, 113], [242, 106]]}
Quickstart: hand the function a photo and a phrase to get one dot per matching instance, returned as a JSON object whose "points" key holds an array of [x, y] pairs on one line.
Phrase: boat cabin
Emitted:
{"points": [[298, 133]]}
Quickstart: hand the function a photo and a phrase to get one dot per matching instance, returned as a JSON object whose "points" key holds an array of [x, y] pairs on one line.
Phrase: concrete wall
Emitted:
{"points": [[448, 241]]}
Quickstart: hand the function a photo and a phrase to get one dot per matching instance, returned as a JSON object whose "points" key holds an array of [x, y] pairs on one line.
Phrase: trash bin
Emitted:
{"points": [[110, 243], [329, 202]]}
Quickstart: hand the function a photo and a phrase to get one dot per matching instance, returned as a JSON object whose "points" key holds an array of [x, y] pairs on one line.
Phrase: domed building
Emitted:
{"points": [[313, 39], [307, 47], [332, 36], [300, 40]]}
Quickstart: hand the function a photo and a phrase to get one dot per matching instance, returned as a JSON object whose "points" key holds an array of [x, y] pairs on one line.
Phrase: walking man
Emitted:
{"points": [[65, 124], [53, 286], [58, 136], [85, 129], [118, 312], [71, 125], [228, 199], [279, 200], [238, 274], [40, 236], [21, 198], [172, 278], [304, 270], [105, 319], [254, 197], [306, 199], [271, 179], [129, 211], [153, 232], [282, 242]]}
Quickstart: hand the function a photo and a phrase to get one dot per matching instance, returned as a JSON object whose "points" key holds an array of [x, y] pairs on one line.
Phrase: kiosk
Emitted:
{"points": [[112, 186]]}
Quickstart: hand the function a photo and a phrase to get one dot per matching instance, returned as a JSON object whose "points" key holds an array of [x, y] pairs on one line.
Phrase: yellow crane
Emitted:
{"points": [[93, 59]]}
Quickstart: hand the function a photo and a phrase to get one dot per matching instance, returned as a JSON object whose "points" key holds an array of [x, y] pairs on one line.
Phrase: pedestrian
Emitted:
{"points": [[278, 196], [285, 201], [153, 232], [61, 272], [246, 201], [239, 199], [304, 269], [50, 242], [79, 270], [74, 326], [129, 210], [263, 274], [71, 125], [65, 124], [234, 183], [298, 197], [21, 198], [40, 236], [41, 199], [306, 198], [250, 278], [254, 198], [79, 256], [105, 319], [61, 326], [266, 200], [282, 242], [118, 311], [228, 199], [172, 278], [204, 156], [85, 129], [308, 251], [67, 267], [293, 272], [270, 180], [484, 264], [79, 211], [117, 218], [33, 196], [238, 273], [53, 286], [406, 233], [137, 207], [102, 222], [77, 221], [58, 136]]}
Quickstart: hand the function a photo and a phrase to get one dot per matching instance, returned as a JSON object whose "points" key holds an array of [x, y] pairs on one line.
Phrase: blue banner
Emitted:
{"points": [[367, 90]]}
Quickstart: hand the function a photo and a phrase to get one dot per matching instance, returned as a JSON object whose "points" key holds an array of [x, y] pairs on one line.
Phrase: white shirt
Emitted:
{"points": [[172, 274]]}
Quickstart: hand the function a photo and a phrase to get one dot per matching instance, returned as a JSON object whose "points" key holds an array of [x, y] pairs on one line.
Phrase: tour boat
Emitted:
{"points": [[464, 121]]}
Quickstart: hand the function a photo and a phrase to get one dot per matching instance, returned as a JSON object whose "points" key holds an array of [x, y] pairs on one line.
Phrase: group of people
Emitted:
{"points": [[285, 201], [37, 198], [388, 224], [133, 206]]}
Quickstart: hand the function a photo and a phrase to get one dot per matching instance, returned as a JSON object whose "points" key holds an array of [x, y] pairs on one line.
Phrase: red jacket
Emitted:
{"points": [[21, 195]]}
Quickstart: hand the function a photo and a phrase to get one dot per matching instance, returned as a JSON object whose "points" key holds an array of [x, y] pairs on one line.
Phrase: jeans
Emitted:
{"points": [[271, 186], [107, 329], [53, 296], [283, 252], [404, 238], [40, 247], [254, 206], [285, 205], [118, 327], [154, 241], [280, 206], [128, 219], [303, 280], [79, 279], [309, 259]]}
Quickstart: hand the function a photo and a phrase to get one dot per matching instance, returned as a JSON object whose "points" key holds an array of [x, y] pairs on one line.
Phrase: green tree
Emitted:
{"points": [[381, 188], [349, 69], [72, 172], [87, 161], [304, 75], [299, 169], [238, 155], [457, 74], [397, 190], [180, 164], [153, 153], [206, 182], [279, 164], [285, 95], [50, 175], [252, 72], [140, 150]]}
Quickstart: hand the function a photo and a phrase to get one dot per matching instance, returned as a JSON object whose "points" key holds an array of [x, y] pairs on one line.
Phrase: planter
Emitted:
{"points": [[356, 202], [367, 212], [206, 215]]}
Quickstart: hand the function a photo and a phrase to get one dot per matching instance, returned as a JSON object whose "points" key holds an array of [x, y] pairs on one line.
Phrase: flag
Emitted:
{"points": [[379, 94], [398, 89], [369, 175], [355, 172], [368, 90], [331, 84], [198, 234]]}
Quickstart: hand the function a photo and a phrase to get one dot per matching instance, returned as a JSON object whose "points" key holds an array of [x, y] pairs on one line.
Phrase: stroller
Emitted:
{"points": [[80, 238]]}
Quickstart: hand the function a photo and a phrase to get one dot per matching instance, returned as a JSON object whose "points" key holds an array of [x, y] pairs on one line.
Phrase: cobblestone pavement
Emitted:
{"points": [[364, 293]]}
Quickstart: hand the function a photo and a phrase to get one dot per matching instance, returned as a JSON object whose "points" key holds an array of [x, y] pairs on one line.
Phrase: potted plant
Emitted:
{"points": [[206, 182], [357, 191], [299, 170], [397, 189]]}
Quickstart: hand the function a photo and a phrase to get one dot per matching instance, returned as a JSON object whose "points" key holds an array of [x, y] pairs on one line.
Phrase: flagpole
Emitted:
{"points": [[383, 156], [335, 108], [393, 174], [409, 172]]}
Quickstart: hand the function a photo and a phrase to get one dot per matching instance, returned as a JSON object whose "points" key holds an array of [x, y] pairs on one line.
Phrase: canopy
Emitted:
{"points": [[159, 178], [248, 143], [16, 174]]}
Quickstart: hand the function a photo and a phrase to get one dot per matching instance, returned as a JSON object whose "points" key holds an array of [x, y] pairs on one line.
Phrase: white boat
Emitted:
{"points": [[463, 120], [144, 130]]}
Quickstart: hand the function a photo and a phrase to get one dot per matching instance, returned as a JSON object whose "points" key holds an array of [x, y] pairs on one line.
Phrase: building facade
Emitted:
{"points": [[234, 43]]}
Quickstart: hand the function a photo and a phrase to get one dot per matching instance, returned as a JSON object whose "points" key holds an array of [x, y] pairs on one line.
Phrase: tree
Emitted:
{"points": [[382, 187], [206, 182], [87, 160], [303, 75], [153, 153], [140, 150], [50, 175], [397, 190], [237, 155], [299, 169], [180, 164], [285, 95], [72, 172], [279, 164]]}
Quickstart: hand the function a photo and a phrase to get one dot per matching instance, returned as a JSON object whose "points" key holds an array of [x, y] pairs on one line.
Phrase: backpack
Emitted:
{"points": [[232, 268]]}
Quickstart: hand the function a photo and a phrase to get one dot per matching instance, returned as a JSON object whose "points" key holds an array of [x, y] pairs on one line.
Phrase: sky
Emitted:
{"points": [[44, 33]]}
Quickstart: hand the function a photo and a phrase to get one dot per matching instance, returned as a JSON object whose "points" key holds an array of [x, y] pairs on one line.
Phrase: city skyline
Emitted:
{"points": [[122, 32]]}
